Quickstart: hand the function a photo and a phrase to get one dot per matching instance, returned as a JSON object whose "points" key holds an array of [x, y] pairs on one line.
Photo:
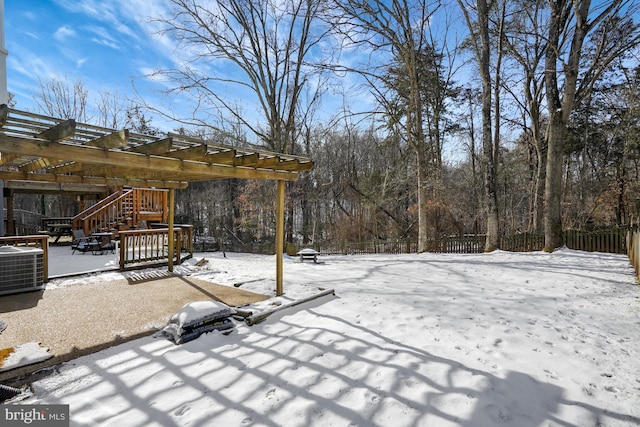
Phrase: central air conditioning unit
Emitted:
{"points": [[20, 269]]}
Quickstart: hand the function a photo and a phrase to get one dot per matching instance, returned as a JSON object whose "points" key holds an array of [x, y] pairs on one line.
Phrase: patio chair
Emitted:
{"points": [[81, 242], [109, 246]]}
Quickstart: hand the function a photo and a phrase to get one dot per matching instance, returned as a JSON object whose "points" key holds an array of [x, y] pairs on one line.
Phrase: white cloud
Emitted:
{"points": [[30, 15], [24, 62], [103, 37], [63, 33], [106, 42], [114, 14], [31, 35]]}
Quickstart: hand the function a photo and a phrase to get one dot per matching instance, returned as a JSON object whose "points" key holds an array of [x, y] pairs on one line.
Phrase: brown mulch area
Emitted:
{"points": [[81, 319]]}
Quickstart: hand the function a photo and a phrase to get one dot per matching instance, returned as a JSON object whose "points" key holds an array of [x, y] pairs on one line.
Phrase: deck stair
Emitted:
{"points": [[122, 210]]}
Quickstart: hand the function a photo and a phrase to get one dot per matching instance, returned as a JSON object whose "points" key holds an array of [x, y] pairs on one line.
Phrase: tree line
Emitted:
{"points": [[486, 117]]}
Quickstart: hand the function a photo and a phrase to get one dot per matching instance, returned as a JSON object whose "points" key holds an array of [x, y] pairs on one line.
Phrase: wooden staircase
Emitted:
{"points": [[123, 210]]}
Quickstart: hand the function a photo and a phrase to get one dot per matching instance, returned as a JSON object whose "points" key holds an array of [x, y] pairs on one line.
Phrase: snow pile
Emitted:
{"points": [[197, 318]]}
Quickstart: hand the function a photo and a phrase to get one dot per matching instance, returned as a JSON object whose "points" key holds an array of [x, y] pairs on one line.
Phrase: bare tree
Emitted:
{"points": [[398, 30], [570, 23], [58, 98], [112, 109], [525, 42], [234, 46], [479, 32]]}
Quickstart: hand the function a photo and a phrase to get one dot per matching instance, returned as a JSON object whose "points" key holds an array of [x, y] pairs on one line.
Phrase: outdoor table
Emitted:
{"points": [[104, 242], [58, 230], [308, 253]]}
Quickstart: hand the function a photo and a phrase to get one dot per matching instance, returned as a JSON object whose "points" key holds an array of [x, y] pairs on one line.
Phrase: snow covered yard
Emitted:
{"points": [[515, 339]]}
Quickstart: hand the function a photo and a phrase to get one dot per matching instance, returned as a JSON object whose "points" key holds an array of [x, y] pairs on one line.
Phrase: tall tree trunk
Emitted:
{"points": [[417, 140], [423, 197], [560, 107], [306, 214], [553, 237], [482, 47], [490, 182], [541, 176]]}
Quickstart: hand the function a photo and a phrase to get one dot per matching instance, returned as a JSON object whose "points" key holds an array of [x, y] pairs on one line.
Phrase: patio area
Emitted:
{"points": [[62, 262], [90, 315]]}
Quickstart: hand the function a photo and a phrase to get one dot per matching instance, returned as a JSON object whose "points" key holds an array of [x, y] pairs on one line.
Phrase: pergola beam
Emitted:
{"points": [[221, 157], [171, 167], [7, 158], [117, 139], [55, 187], [60, 132], [267, 162], [22, 176], [67, 168], [190, 153], [38, 164], [246, 159], [295, 165], [158, 147]]}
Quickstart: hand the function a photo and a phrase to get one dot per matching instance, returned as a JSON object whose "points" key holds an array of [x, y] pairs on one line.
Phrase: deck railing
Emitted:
{"points": [[105, 213], [128, 205], [150, 200], [78, 220], [41, 242], [151, 247]]}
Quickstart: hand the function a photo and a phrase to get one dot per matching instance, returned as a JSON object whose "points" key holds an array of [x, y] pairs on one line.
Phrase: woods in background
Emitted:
{"points": [[523, 118]]}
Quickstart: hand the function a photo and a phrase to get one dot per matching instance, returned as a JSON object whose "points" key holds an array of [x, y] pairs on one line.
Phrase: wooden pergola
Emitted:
{"points": [[41, 153]]}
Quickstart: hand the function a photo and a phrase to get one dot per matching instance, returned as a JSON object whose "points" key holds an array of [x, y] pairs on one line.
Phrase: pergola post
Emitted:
{"points": [[10, 228], [2, 231], [170, 222], [279, 237]]}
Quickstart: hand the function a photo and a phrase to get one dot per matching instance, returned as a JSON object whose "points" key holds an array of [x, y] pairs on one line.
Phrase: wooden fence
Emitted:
{"points": [[633, 243], [361, 248], [612, 240], [151, 247], [457, 244], [522, 242]]}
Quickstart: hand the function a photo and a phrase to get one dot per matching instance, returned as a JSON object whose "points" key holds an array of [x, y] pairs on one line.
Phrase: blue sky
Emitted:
{"points": [[108, 45]]}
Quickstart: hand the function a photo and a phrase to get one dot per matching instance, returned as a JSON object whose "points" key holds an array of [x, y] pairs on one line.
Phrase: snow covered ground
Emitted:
{"points": [[514, 339]]}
